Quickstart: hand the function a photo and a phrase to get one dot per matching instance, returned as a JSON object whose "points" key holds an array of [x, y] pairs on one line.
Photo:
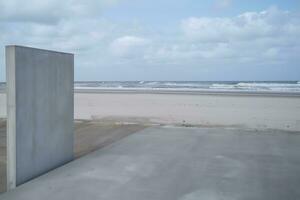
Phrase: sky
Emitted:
{"points": [[184, 40]]}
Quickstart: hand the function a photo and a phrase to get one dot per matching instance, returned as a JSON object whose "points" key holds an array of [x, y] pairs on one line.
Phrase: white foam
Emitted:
{"points": [[195, 86]]}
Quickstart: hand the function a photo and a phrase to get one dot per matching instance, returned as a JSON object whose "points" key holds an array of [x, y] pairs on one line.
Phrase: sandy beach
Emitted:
{"points": [[243, 111], [264, 111]]}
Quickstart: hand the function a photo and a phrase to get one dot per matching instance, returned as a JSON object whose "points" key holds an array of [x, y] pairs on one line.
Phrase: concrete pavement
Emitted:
{"points": [[167, 163]]}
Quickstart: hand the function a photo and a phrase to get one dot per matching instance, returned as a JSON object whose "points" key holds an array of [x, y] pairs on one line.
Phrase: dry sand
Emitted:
{"points": [[243, 111], [246, 111]]}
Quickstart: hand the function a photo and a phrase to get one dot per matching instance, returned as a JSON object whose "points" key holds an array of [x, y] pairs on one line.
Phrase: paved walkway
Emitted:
{"points": [[164, 163]]}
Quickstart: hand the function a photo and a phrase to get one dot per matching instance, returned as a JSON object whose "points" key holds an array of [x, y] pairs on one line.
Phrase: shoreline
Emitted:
{"points": [[183, 92], [190, 92]]}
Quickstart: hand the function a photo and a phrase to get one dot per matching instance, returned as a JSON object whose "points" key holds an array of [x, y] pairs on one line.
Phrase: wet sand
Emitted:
{"points": [[89, 136], [92, 135]]}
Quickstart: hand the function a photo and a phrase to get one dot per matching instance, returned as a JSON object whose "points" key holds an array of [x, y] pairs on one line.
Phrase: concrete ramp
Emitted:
{"points": [[165, 163]]}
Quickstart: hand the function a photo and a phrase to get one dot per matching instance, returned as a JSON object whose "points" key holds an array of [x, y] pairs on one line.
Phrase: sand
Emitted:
{"points": [[263, 111], [92, 135], [211, 110]]}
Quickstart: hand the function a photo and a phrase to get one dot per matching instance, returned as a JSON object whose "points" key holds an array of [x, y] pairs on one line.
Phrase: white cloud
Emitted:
{"points": [[129, 46], [50, 11], [67, 35], [262, 38], [256, 36], [250, 25]]}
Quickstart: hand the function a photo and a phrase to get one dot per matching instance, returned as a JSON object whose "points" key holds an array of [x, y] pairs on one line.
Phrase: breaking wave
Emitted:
{"points": [[280, 86]]}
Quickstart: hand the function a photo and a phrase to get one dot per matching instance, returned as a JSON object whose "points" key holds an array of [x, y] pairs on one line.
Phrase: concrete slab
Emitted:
{"points": [[89, 136], [40, 112], [165, 163]]}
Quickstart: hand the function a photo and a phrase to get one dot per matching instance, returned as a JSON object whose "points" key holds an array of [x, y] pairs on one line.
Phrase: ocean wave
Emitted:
{"points": [[151, 83], [195, 86], [267, 85], [176, 84], [222, 86]]}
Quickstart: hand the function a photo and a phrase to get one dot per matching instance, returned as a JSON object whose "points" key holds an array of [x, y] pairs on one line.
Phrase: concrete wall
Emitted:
{"points": [[39, 111], [2, 104]]}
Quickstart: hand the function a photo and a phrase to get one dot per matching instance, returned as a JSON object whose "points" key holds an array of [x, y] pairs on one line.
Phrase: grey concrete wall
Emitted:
{"points": [[39, 111], [2, 104]]}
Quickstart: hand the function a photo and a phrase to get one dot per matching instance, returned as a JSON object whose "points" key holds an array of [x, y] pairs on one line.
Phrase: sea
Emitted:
{"points": [[209, 86], [214, 86]]}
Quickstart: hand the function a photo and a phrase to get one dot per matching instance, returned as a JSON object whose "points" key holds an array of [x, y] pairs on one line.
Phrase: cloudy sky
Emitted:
{"points": [[161, 39]]}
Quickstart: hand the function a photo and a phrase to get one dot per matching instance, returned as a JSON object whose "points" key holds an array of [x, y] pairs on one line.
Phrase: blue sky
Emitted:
{"points": [[158, 12], [161, 39]]}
